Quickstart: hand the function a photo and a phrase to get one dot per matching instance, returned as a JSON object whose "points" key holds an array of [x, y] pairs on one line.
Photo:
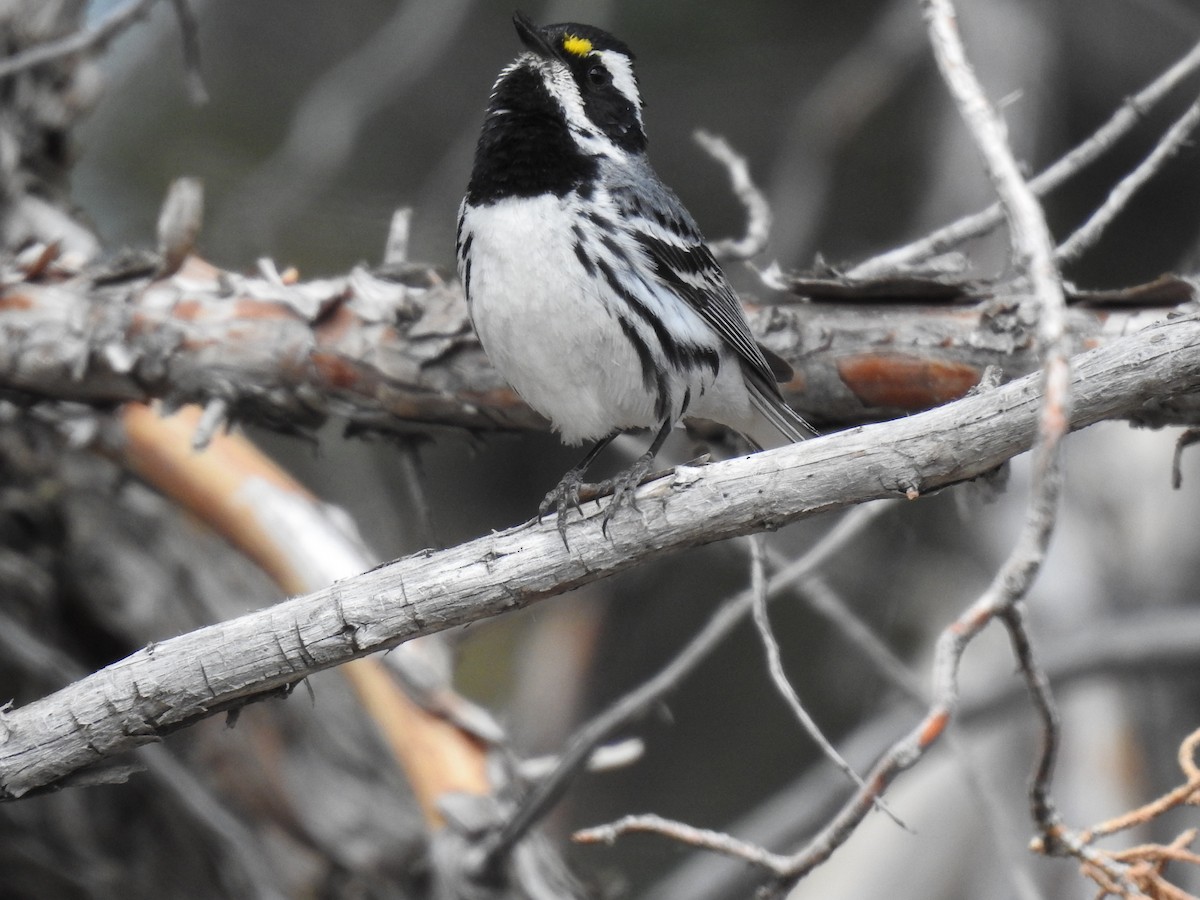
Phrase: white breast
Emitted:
{"points": [[556, 333], [545, 327]]}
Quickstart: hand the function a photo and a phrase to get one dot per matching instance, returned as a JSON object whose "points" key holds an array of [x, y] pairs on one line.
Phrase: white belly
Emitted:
{"points": [[549, 334], [554, 336]]}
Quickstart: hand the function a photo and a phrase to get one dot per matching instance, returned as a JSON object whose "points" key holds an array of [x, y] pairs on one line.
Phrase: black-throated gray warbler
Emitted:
{"points": [[589, 284]]}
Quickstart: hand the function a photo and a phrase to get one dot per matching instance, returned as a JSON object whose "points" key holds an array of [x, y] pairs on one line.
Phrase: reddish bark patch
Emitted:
{"points": [[335, 370], [14, 300], [933, 728], [245, 308], [899, 381], [189, 310], [335, 322]]}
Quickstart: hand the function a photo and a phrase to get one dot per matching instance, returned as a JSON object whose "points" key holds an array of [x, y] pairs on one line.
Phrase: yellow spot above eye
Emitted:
{"points": [[577, 46]]}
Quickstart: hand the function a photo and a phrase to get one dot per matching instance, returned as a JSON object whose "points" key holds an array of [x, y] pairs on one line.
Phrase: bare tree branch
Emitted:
{"points": [[634, 704], [766, 635], [397, 353], [80, 41], [701, 838], [758, 211], [1089, 232], [1117, 126], [159, 689], [1033, 255], [1165, 642]]}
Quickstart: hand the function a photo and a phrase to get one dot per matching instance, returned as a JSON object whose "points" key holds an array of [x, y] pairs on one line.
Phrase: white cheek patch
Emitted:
{"points": [[563, 89], [621, 69]]}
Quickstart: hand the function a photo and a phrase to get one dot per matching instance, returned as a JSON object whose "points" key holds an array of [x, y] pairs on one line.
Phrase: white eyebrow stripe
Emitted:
{"points": [[621, 69]]}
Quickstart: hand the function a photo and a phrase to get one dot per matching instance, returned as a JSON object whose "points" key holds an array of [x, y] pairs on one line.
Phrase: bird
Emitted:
{"points": [[590, 286]]}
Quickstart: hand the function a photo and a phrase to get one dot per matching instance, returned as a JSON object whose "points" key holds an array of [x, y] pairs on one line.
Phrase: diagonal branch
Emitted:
{"points": [[1089, 232], [91, 38], [1033, 257], [161, 688], [1117, 126], [537, 802], [395, 351]]}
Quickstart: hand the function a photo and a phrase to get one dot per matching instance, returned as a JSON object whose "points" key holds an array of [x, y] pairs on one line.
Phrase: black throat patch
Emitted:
{"points": [[525, 148]]}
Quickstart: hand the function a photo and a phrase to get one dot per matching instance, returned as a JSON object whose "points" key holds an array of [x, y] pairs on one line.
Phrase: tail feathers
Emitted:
{"points": [[783, 424]]}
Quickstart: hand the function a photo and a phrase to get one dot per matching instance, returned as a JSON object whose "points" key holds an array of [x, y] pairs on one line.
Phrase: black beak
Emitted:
{"points": [[531, 36]]}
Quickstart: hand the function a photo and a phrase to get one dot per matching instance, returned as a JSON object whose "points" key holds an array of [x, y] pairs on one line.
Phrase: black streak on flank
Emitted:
{"points": [[605, 225], [694, 356], [617, 251], [652, 378], [581, 254], [666, 341]]}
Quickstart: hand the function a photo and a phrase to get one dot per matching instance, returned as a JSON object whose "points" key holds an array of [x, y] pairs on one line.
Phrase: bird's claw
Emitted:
{"points": [[624, 487], [572, 490], [562, 498]]}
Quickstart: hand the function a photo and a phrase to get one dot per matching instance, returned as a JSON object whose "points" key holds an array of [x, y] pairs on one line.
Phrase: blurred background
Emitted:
{"points": [[323, 118]]}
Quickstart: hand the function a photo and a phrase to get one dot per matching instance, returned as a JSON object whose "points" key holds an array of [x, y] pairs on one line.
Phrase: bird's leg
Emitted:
{"points": [[566, 493], [624, 485]]}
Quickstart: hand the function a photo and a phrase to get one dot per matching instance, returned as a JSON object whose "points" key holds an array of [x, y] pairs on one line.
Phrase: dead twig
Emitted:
{"points": [[634, 704], [762, 623], [1033, 255], [701, 838], [80, 41], [1127, 116], [758, 210], [1090, 231], [189, 31], [1138, 871]]}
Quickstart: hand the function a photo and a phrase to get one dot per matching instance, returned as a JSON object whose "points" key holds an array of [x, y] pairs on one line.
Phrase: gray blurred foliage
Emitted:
{"points": [[323, 118]]}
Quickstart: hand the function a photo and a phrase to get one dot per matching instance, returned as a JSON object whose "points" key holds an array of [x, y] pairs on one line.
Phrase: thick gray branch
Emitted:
{"points": [[389, 356], [164, 687]]}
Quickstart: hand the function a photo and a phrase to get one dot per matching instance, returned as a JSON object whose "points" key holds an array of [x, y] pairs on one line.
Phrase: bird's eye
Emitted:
{"points": [[598, 76]]}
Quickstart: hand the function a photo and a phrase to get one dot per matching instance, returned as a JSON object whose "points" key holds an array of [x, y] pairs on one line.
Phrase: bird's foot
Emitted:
{"points": [[566, 494], [623, 487], [572, 491]]}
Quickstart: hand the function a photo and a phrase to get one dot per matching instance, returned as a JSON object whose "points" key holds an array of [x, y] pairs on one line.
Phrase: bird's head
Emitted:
{"points": [[587, 76]]}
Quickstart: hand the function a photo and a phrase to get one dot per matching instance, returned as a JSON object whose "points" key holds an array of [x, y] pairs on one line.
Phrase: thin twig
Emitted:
{"points": [[415, 484], [819, 597], [580, 746], [1038, 685], [758, 210], [1033, 255], [762, 623], [77, 42], [1114, 649], [1189, 792], [701, 838], [1186, 439], [1128, 115], [1032, 248], [189, 30], [1089, 232]]}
